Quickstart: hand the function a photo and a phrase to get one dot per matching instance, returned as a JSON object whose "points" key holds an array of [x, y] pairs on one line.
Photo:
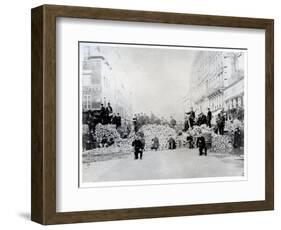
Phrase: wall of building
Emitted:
{"points": [[100, 84], [216, 81]]}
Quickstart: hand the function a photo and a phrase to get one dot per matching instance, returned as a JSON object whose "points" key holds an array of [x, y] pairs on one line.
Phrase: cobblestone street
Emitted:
{"points": [[166, 164]]}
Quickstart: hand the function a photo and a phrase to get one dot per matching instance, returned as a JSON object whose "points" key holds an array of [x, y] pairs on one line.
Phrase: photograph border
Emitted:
{"points": [[43, 119], [213, 48]]}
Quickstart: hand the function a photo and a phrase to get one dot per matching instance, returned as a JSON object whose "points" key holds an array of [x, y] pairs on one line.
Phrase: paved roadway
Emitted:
{"points": [[167, 164]]}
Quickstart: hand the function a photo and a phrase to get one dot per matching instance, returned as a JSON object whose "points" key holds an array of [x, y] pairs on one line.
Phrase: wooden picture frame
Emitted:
{"points": [[43, 205]]}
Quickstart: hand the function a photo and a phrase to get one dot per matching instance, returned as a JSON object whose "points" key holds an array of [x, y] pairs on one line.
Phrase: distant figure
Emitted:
{"points": [[220, 123], [93, 140], [118, 120], [201, 144], [209, 118], [189, 140], [91, 122], [185, 124], [135, 123], [155, 143], [171, 143], [103, 114], [143, 144], [104, 141], [86, 141], [138, 147], [202, 119], [191, 118], [110, 141], [109, 112], [114, 119], [179, 140], [173, 122], [237, 138]]}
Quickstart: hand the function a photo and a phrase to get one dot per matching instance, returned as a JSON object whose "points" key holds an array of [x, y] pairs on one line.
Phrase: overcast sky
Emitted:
{"points": [[157, 76]]}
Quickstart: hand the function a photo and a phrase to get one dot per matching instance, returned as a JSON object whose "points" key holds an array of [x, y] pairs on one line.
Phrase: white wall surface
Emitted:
{"points": [[15, 114]]}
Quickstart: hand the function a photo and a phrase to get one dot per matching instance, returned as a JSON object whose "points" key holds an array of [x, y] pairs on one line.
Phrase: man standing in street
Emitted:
{"points": [[109, 112], [201, 145], [118, 120], [209, 118], [138, 147], [114, 119], [135, 123], [103, 114], [155, 143], [191, 118], [222, 123], [186, 123]]}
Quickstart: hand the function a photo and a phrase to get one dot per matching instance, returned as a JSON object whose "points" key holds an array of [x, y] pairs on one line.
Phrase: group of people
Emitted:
{"points": [[141, 119], [108, 117], [173, 143], [103, 116], [92, 141], [191, 119], [201, 119]]}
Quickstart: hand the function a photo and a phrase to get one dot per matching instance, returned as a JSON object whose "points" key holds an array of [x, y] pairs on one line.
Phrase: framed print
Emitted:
{"points": [[139, 114]]}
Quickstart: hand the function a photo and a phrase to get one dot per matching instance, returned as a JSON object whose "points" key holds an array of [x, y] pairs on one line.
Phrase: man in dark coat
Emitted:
{"points": [[191, 117], [237, 138], [171, 143], [221, 123], [90, 122], [118, 120], [138, 147], [93, 140], [155, 143], [114, 119], [201, 144], [209, 118], [103, 114], [104, 141], [189, 140], [109, 112], [135, 123], [204, 119], [86, 141]]}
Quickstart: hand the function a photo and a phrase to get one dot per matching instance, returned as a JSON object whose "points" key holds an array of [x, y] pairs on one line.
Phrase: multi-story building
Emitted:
{"points": [[234, 90], [97, 84], [100, 86], [212, 79]]}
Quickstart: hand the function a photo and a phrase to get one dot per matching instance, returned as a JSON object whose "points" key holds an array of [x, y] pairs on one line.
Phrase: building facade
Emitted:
{"points": [[100, 86], [217, 81], [234, 90]]}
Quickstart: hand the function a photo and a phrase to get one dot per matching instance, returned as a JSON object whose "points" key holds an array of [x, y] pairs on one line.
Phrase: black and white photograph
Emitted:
{"points": [[161, 112]]}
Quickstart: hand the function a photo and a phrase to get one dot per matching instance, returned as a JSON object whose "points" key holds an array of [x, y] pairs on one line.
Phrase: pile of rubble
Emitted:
{"points": [[162, 132], [120, 146], [109, 131], [221, 143], [197, 130]]}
